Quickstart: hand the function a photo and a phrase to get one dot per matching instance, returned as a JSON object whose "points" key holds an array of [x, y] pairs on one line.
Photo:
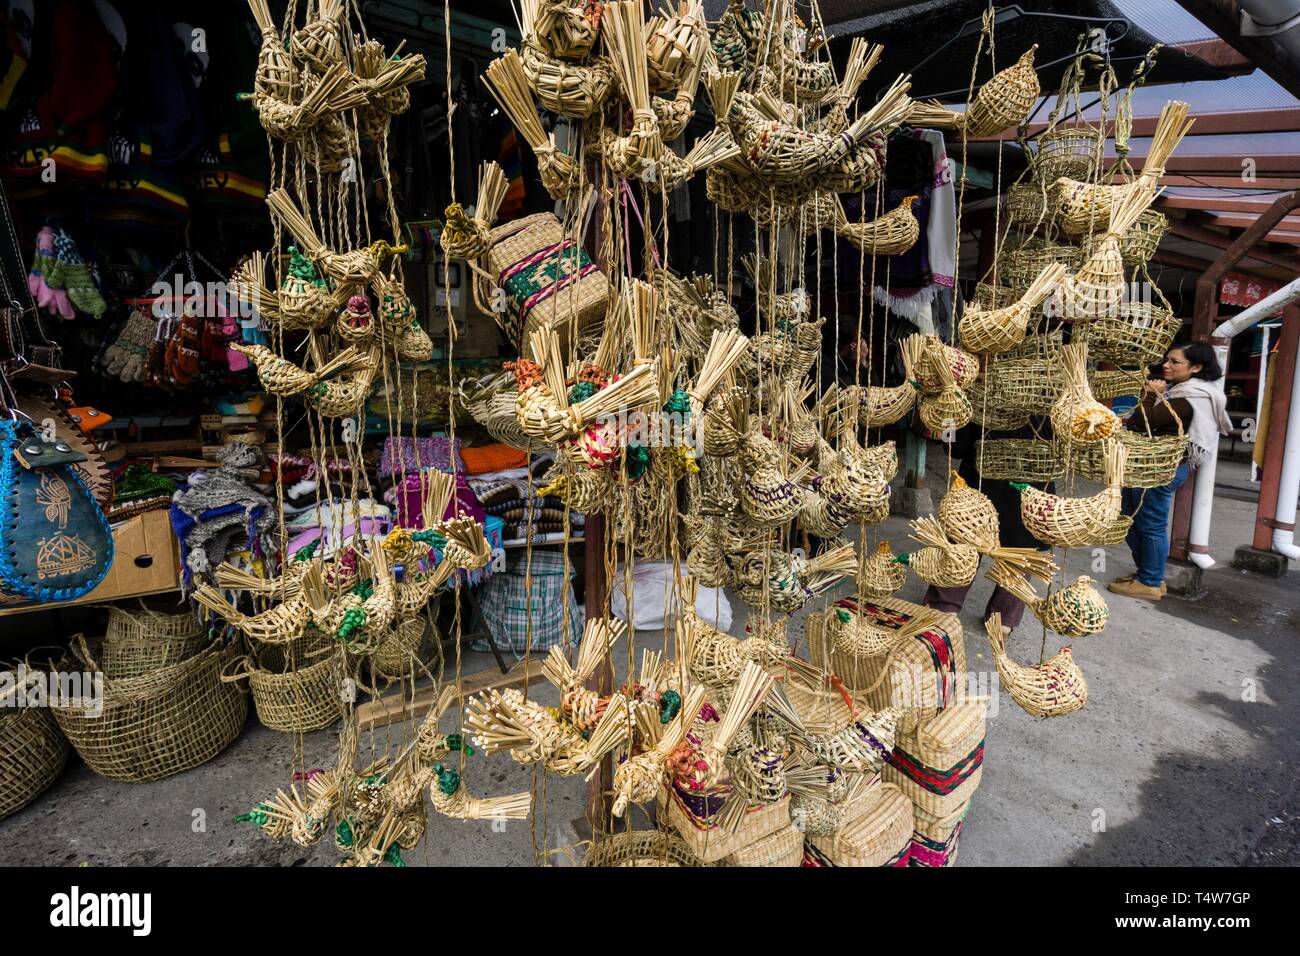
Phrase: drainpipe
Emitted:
{"points": [[1198, 538]]}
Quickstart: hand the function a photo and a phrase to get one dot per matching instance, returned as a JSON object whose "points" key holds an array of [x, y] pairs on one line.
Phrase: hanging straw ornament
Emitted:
{"points": [[385, 84], [1077, 610], [726, 349], [463, 237], [726, 423], [860, 636], [881, 574], [675, 114], [862, 59], [316, 43], [1075, 413], [396, 311], [353, 267], [675, 44], [276, 76], [1003, 102], [355, 323], [623, 27], [450, 799], [305, 300], [279, 624], [786, 582], [1053, 688], [293, 122], [1088, 207], [343, 395], [950, 409], [506, 81], [963, 368], [577, 90], [1098, 289], [999, 330], [878, 405], [279, 376], [942, 562], [1076, 522], [639, 777], [889, 235], [565, 29], [248, 283], [768, 497], [968, 516], [671, 170]]}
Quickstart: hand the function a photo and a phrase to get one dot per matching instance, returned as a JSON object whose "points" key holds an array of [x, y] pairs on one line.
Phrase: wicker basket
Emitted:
{"points": [[935, 839], [1073, 152], [294, 690], [1040, 345], [1137, 337], [1030, 385], [882, 836], [988, 297], [398, 654], [707, 841], [782, 848], [139, 640], [1030, 203], [32, 755], [1023, 263], [990, 413], [1151, 462], [641, 848], [939, 765], [159, 723], [915, 681], [1112, 383], [1019, 459], [1139, 242], [549, 280]]}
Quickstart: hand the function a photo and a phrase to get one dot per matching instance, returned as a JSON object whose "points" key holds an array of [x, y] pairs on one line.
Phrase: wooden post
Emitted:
{"points": [[1279, 409]]}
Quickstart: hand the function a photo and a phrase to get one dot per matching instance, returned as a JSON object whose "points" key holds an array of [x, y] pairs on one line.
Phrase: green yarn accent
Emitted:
{"points": [[343, 833], [456, 742], [305, 552], [581, 391], [903, 559], [670, 702], [393, 856], [843, 616], [365, 589], [1019, 485], [448, 779], [319, 390], [258, 816], [638, 461], [679, 402], [785, 325], [353, 620], [300, 267], [432, 538]]}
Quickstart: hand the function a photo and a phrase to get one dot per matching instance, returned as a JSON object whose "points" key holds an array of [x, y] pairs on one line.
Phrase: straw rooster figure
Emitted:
{"points": [[1054, 688]]}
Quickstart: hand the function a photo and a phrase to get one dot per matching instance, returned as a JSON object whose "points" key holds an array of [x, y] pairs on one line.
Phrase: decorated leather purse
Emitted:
{"points": [[55, 543]]}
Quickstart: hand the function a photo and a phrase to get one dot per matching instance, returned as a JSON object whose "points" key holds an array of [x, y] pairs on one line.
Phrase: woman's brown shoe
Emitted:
{"points": [[1136, 589], [1129, 579]]}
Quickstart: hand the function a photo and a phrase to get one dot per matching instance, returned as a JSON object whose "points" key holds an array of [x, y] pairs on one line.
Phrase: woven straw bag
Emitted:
{"points": [[398, 654], [292, 697], [641, 848], [1019, 266], [1019, 459], [1151, 461], [935, 839], [159, 723], [939, 766], [782, 848], [32, 755], [1071, 151], [139, 640], [1138, 336], [549, 280], [881, 836], [709, 842], [1139, 242]]}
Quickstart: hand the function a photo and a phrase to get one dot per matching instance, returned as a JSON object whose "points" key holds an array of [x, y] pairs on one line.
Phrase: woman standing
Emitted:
{"points": [[1184, 395]]}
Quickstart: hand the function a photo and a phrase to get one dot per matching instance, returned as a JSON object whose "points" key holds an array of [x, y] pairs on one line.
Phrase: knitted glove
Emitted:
{"points": [[77, 279]]}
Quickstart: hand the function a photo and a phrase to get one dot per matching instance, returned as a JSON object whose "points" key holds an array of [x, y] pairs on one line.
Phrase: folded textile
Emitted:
{"points": [[486, 459], [219, 511], [404, 455]]}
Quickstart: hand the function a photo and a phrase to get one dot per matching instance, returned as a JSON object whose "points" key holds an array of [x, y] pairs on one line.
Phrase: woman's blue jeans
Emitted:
{"points": [[1148, 539]]}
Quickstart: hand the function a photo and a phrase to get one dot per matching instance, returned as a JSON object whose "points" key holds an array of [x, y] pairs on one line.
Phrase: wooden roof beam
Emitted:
{"points": [[1219, 240]]}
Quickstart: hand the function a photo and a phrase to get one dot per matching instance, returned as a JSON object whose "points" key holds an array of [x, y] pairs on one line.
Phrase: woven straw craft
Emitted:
{"points": [[1138, 244], [941, 562], [950, 408], [1077, 610], [675, 44], [968, 516], [1112, 383], [1076, 414], [565, 29], [32, 754], [1098, 289], [962, 367], [139, 640], [888, 235], [879, 837], [641, 848], [1017, 267], [989, 297], [881, 575], [159, 723], [947, 748], [1026, 384], [1002, 329], [782, 848], [1137, 336], [569, 89], [1019, 459], [1005, 100], [1073, 152], [1150, 461], [1076, 522], [276, 76], [291, 698], [1053, 688], [990, 413]]}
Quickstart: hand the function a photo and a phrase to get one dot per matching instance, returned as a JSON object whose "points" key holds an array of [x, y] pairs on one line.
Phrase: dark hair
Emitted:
{"points": [[1198, 353]]}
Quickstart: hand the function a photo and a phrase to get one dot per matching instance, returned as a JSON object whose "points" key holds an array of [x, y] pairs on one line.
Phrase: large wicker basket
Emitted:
{"points": [[642, 848], [935, 839], [140, 640], [294, 690], [1138, 336], [32, 755], [1151, 462], [707, 841], [159, 723], [939, 765], [1019, 459], [881, 836]]}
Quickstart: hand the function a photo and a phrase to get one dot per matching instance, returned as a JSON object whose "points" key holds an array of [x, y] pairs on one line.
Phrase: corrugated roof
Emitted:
{"points": [[1165, 20]]}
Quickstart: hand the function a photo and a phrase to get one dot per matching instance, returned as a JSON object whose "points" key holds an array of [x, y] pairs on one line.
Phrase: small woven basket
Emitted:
{"points": [[1073, 152], [1023, 263], [1139, 242], [398, 654], [1151, 462], [782, 848], [710, 843], [32, 755], [159, 723], [1138, 336], [1030, 385], [879, 837], [139, 640], [1019, 459], [294, 691], [1030, 203], [641, 848]]}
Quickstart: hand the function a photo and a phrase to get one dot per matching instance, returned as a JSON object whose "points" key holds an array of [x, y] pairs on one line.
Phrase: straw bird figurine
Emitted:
{"points": [[1054, 688]]}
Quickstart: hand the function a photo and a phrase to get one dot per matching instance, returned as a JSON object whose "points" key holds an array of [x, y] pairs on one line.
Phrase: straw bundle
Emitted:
{"points": [[1076, 413], [1005, 100], [1087, 207], [889, 235], [279, 376], [463, 237], [316, 43], [565, 29], [725, 351], [1002, 329], [1075, 522], [675, 45], [248, 283], [507, 83], [623, 26], [1053, 688], [950, 409], [1077, 610], [1097, 289], [862, 59], [451, 799], [276, 77], [354, 267], [749, 691], [942, 562], [672, 171], [569, 89]]}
